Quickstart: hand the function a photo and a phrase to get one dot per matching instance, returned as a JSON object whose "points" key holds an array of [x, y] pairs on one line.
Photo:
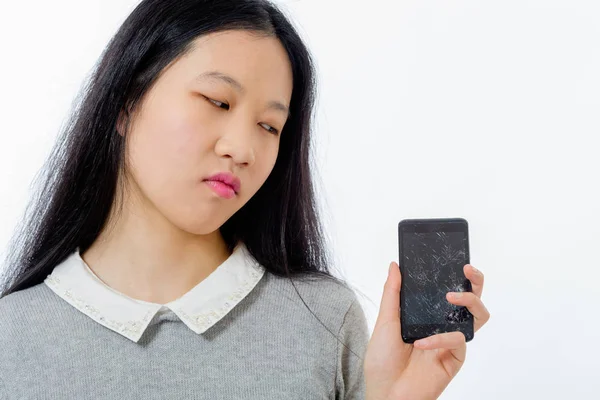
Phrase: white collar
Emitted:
{"points": [[199, 309]]}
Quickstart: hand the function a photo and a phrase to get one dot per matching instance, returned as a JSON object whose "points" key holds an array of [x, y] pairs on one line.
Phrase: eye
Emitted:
{"points": [[217, 103], [270, 129]]}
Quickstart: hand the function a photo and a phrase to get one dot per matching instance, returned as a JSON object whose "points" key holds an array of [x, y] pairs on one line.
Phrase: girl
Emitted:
{"points": [[175, 250]]}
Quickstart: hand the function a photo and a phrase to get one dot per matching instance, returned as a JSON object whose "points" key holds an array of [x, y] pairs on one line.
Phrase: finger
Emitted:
{"points": [[476, 278], [448, 340], [389, 310], [473, 304]]}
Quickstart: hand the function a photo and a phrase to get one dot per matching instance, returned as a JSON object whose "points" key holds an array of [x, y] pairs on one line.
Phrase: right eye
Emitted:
{"points": [[217, 103]]}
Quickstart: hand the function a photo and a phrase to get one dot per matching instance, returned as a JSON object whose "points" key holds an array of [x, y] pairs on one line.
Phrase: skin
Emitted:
{"points": [[167, 239], [395, 370]]}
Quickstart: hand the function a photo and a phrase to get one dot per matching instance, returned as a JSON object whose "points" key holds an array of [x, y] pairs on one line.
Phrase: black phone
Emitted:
{"points": [[433, 253]]}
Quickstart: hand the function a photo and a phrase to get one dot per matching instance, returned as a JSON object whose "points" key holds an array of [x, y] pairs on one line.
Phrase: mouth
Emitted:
{"points": [[222, 189], [225, 184]]}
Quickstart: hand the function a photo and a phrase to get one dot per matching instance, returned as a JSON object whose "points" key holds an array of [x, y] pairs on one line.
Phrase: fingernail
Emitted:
{"points": [[422, 342], [457, 295], [390, 269], [475, 269]]}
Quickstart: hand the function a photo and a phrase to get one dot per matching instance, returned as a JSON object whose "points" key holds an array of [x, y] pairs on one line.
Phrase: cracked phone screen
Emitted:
{"points": [[434, 264]]}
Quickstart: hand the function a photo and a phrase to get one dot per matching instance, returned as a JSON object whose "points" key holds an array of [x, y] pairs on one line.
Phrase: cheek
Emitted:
{"points": [[166, 151], [264, 165]]}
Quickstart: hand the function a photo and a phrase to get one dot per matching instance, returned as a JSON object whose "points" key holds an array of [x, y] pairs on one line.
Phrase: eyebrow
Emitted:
{"points": [[216, 75]]}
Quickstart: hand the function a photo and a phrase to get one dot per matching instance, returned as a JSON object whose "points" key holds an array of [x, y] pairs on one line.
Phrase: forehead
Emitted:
{"points": [[256, 61]]}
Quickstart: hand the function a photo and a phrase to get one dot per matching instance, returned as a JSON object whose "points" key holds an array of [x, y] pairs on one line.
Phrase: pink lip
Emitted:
{"points": [[224, 184], [222, 189]]}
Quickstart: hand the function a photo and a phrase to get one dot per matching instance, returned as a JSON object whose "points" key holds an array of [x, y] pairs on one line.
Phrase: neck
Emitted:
{"points": [[148, 258]]}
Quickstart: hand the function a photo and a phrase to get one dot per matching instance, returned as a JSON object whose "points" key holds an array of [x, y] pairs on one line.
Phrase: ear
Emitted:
{"points": [[122, 122]]}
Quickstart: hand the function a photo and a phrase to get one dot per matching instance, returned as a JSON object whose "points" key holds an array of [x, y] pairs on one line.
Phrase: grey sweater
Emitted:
{"points": [[269, 346]]}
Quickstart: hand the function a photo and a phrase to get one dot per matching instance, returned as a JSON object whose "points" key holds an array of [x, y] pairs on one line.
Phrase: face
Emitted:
{"points": [[220, 108]]}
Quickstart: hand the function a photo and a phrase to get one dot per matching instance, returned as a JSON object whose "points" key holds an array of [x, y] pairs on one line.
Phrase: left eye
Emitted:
{"points": [[270, 129]]}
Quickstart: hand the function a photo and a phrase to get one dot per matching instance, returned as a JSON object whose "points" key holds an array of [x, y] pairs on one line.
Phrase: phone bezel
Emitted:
{"points": [[411, 333]]}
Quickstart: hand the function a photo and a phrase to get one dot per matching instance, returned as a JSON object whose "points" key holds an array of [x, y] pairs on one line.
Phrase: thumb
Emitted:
{"points": [[389, 310]]}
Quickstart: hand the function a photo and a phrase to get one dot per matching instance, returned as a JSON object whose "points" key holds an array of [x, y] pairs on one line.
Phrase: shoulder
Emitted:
{"points": [[330, 298], [23, 330], [23, 298], [20, 308]]}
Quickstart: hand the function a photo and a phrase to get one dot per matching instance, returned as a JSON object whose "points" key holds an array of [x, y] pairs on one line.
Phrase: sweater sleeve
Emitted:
{"points": [[354, 333]]}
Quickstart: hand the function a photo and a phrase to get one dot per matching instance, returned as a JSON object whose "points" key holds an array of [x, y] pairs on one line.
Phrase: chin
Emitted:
{"points": [[198, 217], [197, 224]]}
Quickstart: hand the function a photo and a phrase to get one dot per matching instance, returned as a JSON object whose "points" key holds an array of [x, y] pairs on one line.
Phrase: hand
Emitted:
{"points": [[395, 370]]}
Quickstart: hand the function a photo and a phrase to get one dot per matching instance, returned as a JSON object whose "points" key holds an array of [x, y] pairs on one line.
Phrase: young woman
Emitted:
{"points": [[175, 250]]}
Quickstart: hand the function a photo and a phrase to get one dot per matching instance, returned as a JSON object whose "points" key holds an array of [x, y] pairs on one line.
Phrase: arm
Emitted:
{"points": [[3, 394], [353, 339]]}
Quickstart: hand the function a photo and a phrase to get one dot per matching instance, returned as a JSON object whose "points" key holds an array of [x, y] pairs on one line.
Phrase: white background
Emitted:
{"points": [[485, 110]]}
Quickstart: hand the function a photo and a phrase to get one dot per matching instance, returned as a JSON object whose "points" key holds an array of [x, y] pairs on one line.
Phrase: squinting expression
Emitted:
{"points": [[220, 108]]}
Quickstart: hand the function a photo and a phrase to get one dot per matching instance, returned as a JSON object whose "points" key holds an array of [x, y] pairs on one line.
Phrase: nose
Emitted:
{"points": [[236, 143]]}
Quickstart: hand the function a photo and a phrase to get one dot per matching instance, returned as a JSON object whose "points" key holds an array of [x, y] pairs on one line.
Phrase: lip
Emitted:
{"points": [[228, 179]]}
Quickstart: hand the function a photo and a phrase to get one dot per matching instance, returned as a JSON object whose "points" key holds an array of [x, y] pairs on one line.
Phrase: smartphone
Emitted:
{"points": [[433, 253]]}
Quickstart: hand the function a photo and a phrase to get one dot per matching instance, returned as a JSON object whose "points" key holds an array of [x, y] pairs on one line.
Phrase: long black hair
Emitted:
{"points": [[280, 224]]}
